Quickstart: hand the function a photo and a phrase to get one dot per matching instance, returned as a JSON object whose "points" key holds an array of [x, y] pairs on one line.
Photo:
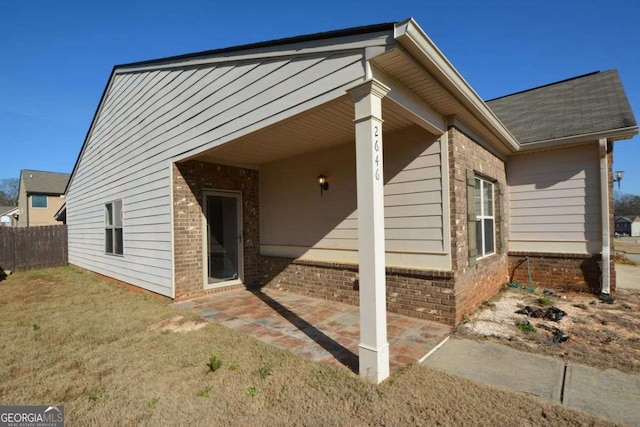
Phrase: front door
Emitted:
{"points": [[224, 238]]}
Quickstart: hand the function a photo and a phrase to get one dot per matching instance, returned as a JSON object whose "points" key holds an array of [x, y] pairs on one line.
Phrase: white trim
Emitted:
{"points": [[555, 246], [409, 35], [440, 261], [345, 44], [373, 349], [604, 207], [622, 133], [237, 195], [446, 197], [482, 216], [173, 237], [417, 110]]}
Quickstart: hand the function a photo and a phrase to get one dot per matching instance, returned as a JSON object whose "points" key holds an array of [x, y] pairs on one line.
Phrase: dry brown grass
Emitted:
{"points": [[601, 335], [628, 245], [69, 338]]}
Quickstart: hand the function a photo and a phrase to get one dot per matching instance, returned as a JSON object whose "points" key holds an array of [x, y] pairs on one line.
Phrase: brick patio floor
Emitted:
{"points": [[323, 331]]}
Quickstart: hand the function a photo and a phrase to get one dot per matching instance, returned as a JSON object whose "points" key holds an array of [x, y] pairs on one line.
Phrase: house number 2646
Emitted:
{"points": [[376, 147]]}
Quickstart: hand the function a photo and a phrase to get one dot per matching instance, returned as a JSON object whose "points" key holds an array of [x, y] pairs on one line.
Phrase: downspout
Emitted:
{"points": [[604, 205]]}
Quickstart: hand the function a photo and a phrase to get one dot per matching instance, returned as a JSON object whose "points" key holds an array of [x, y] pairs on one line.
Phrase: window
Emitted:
{"points": [[485, 219], [113, 228], [38, 201]]}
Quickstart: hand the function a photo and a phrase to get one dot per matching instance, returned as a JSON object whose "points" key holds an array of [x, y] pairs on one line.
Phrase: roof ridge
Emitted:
{"points": [[37, 170], [362, 29], [546, 85]]}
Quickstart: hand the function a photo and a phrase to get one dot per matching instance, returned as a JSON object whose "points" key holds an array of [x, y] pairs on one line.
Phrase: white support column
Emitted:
{"points": [[374, 348]]}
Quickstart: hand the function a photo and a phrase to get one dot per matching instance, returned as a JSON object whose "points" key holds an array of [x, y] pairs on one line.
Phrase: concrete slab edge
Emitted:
{"points": [[434, 349]]}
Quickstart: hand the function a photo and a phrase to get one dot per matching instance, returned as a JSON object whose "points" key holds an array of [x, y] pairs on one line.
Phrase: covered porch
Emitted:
{"points": [[377, 231], [317, 329]]}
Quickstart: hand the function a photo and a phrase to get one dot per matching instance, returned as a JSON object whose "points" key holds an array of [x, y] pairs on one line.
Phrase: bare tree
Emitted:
{"points": [[626, 205], [9, 188]]}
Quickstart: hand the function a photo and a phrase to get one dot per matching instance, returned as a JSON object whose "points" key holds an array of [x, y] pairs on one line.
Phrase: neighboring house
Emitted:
{"points": [[40, 196], [623, 225], [628, 226], [209, 171], [8, 216]]}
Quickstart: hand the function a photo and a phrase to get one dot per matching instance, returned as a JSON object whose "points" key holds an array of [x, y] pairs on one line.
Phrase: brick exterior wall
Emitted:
{"points": [[478, 283], [577, 272], [190, 179], [418, 293]]}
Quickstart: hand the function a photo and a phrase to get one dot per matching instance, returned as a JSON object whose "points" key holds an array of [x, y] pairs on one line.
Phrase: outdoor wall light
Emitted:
{"points": [[324, 185], [618, 177]]}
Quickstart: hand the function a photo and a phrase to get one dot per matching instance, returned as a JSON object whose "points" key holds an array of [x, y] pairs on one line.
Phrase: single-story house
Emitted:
{"points": [[355, 165], [626, 226], [8, 216], [40, 195]]}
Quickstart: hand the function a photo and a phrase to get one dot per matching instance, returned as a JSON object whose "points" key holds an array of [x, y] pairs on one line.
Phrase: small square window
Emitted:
{"points": [[38, 201]]}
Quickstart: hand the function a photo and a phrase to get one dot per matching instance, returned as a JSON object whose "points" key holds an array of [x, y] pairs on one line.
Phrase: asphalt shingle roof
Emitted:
{"points": [[591, 103], [44, 182]]}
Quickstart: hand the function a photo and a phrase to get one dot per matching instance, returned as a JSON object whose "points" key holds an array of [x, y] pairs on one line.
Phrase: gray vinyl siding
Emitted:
{"points": [[293, 214], [149, 119], [555, 199]]}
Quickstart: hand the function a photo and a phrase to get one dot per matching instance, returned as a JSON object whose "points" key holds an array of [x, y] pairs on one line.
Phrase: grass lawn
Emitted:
{"points": [[69, 338]]}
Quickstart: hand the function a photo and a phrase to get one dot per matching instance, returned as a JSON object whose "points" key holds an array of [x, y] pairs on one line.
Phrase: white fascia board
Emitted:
{"points": [[611, 135], [382, 41], [419, 111], [412, 38]]}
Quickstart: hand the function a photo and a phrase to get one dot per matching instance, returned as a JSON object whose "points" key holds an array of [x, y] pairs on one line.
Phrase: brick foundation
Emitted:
{"points": [[577, 272], [418, 293]]}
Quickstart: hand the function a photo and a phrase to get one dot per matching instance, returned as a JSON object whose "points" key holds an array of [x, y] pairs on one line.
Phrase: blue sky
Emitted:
{"points": [[56, 56]]}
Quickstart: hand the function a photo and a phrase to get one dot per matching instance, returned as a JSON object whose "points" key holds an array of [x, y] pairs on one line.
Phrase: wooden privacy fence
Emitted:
{"points": [[33, 247]]}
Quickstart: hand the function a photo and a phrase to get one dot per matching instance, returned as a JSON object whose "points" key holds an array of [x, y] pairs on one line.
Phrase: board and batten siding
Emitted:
{"points": [[555, 201], [150, 118], [297, 221]]}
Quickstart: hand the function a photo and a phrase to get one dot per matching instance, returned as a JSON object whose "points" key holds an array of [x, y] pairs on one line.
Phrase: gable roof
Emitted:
{"points": [[582, 105], [623, 218], [44, 182], [5, 210]]}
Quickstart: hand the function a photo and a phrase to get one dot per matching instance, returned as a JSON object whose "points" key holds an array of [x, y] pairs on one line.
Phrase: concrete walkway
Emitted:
{"points": [[610, 394], [628, 276]]}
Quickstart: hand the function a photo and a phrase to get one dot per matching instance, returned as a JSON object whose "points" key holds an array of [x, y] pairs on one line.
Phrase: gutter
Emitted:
{"points": [[610, 135], [604, 205], [410, 36]]}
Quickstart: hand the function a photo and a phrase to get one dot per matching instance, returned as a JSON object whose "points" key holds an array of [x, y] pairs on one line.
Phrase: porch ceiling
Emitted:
{"points": [[398, 64], [326, 126]]}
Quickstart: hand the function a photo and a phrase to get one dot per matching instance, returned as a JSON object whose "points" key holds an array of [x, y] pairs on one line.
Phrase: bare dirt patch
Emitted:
{"points": [[178, 324], [599, 334], [99, 350]]}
